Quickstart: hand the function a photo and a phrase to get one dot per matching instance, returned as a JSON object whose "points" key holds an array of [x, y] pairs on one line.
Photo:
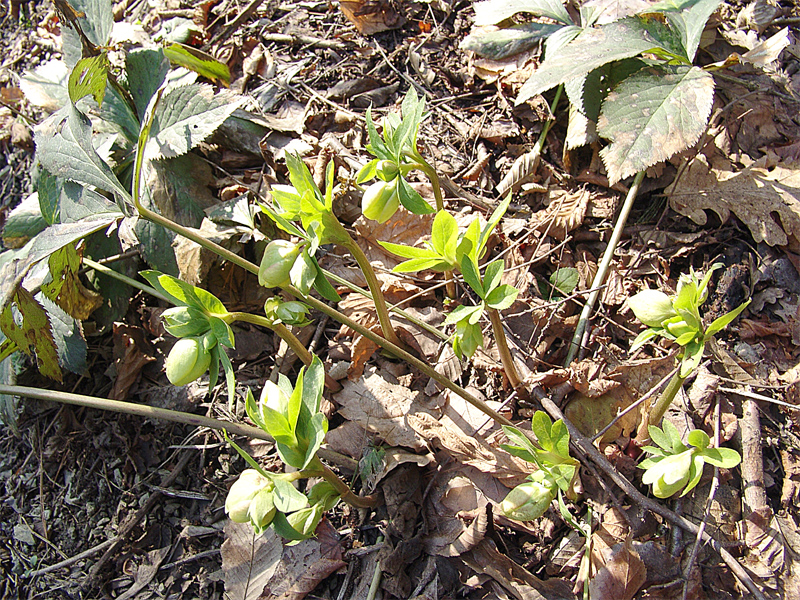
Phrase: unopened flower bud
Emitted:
{"points": [[527, 501], [292, 313], [652, 307], [380, 201], [679, 328], [242, 493], [386, 170], [188, 360], [185, 321], [670, 474], [275, 398], [277, 262]]}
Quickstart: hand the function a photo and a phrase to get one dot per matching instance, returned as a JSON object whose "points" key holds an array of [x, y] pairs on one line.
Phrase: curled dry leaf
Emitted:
{"points": [[564, 213]]}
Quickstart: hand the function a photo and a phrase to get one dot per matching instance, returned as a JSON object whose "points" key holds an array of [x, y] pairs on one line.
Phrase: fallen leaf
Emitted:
{"points": [[371, 17], [620, 577], [303, 566], [383, 408], [248, 561], [766, 198], [146, 572]]}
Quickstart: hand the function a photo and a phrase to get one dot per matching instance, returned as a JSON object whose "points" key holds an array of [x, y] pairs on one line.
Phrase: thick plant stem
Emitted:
{"points": [[602, 270], [124, 279], [344, 490], [659, 409], [505, 353], [375, 288]]}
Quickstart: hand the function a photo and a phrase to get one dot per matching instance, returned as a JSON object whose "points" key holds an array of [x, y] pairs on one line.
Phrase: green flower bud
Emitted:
{"points": [[652, 307], [188, 360], [380, 201], [243, 492], [292, 313], [277, 262], [262, 509], [386, 170], [305, 521], [185, 321], [527, 501], [670, 474], [679, 328], [275, 398]]}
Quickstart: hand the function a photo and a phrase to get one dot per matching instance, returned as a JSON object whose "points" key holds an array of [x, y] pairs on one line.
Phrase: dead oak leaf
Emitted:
{"points": [[764, 196], [621, 576]]}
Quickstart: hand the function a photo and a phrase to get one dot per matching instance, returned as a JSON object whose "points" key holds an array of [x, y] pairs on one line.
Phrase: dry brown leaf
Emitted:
{"points": [[146, 572], [621, 576], [765, 197], [522, 171], [564, 213], [371, 16], [383, 408], [403, 227], [303, 566], [473, 451], [248, 561]]}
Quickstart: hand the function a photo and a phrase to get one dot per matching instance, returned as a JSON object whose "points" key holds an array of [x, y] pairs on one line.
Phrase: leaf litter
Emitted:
{"points": [[444, 466]]}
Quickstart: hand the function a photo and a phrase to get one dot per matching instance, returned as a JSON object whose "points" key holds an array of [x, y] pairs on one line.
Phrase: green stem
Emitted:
{"points": [[431, 174], [374, 287], [403, 355], [392, 307], [505, 353], [659, 408], [124, 279], [549, 123], [287, 336], [344, 490], [603, 268]]}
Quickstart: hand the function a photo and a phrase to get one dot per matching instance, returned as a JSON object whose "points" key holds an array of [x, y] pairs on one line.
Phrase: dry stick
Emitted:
{"points": [[602, 270], [754, 396], [505, 354], [755, 496], [68, 562], [236, 23], [584, 445], [151, 412], [711, 493], [140, 514]]}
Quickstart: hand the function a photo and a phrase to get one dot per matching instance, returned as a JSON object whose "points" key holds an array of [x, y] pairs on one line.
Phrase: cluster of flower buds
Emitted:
{"points": [[191, 355]]}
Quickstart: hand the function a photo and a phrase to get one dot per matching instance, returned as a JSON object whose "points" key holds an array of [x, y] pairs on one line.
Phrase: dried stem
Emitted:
{"points": [[505, 354]]}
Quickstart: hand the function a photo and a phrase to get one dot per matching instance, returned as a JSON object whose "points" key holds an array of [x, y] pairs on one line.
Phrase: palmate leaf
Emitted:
{"points": [[492, 12], [64, 147], [688, 17], [508, 41], [185, 117], [652, 115], [596, 47]]}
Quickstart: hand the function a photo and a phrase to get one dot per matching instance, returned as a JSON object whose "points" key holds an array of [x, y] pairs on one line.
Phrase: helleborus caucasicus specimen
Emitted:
{"points": [[557, 469], [396, 156], [677, 317], [674, 466]]}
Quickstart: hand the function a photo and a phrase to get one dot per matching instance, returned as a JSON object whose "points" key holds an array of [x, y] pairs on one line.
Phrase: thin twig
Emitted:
{"points": [[754, 396], [711, 493]]}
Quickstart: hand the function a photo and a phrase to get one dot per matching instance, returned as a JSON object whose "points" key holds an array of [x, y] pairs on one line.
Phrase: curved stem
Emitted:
{"points": [[602, 270], [344, 490], [375, 288], [403, 355], [505, 353], [124, 279], [659, 408], [431, 174]]}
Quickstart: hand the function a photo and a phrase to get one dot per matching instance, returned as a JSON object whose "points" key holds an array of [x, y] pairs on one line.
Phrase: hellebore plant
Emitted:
{"points": [[303, 201], [397, 156], [675, 466], [677, 318], [292, 416], [557, 469]]}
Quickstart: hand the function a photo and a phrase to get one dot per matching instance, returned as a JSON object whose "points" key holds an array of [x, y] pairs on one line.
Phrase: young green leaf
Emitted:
{"points": [[444, 236], [411, 199], [726, 458], [470, 272], [501, 297], [492, 275], [722, 322], [198, 61], [287, 498], [89, 78]]}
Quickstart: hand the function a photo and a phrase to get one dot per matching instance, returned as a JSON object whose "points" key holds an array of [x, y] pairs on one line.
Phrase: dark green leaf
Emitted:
{"points": [[491, 12], [470, 272], [653, 115], [596, 47], [146, 69], [508, 41]]}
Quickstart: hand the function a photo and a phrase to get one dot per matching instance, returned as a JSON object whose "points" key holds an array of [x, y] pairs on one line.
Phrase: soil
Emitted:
{"points": [[97, 504]]}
